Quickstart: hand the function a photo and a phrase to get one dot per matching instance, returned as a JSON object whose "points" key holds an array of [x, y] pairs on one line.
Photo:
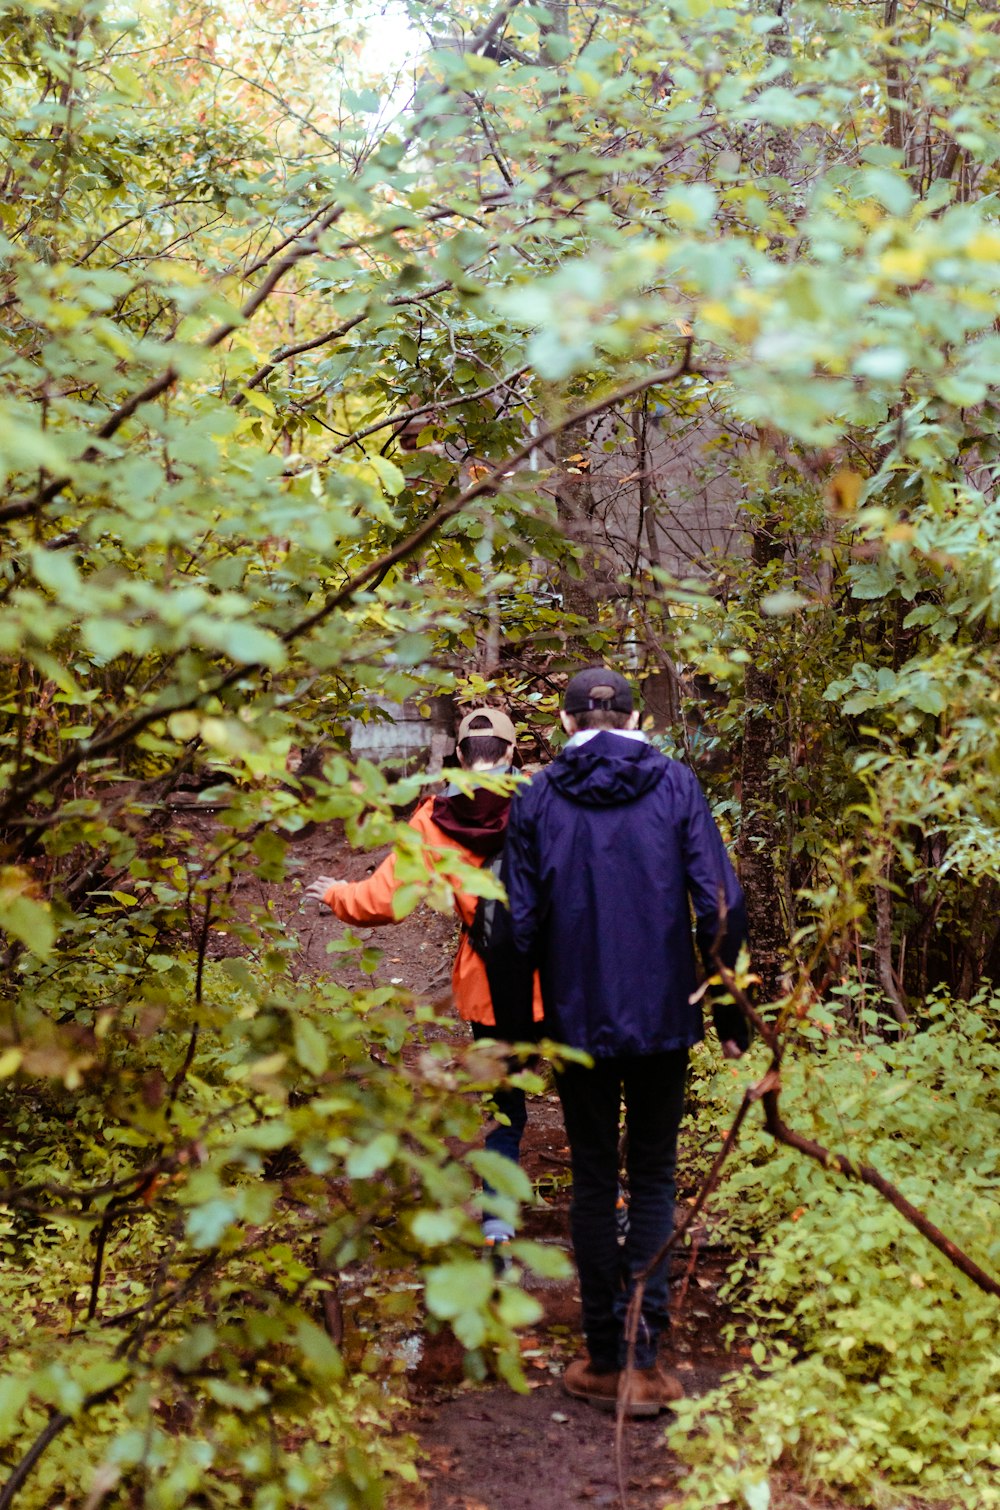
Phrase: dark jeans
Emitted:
{"points": [[501, 1138], [653, 1087]]}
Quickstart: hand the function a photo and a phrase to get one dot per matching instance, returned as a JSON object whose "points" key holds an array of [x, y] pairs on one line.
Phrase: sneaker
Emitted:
{"points": [[497, 1238], [498, 1249], [621, 1215], [584, 1382], [651, 1390]]}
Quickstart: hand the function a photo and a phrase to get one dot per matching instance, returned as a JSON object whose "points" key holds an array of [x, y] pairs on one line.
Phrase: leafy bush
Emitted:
{"points": [[875, 1360], [206, 1279]]}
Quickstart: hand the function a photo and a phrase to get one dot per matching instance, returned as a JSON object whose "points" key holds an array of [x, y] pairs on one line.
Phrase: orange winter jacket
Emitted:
{"points": [[369, 903]]}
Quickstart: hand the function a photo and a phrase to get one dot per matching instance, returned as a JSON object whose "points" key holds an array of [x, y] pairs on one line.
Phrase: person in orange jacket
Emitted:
{"points": [[473, 824]]}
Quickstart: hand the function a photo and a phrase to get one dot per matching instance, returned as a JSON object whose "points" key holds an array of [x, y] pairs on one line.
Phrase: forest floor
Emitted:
{"points": [[484, 1446]]}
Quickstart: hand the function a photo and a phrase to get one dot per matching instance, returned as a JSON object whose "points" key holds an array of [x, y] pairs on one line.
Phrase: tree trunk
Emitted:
{"points": [[759, 844], [575, 505], [887, 976]]}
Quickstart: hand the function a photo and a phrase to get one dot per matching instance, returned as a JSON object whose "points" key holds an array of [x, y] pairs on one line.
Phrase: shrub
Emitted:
{"points": [[875, 1360]]}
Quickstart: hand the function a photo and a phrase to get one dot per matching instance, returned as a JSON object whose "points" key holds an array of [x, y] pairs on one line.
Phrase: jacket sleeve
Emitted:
{"points": [[519, 874], [367, 902], [510, 964], [719, 907]]}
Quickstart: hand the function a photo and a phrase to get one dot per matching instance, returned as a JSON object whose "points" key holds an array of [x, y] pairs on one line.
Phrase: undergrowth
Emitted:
{"points": [[875, 1361], [203, 1276]]}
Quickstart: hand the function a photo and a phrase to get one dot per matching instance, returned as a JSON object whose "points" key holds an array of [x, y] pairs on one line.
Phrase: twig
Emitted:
{"points": [[303, 246], [47, 1436], [830, 1159], [678, 1304], [402, 415], [750, 1095], [486, 486], [283, 353]]}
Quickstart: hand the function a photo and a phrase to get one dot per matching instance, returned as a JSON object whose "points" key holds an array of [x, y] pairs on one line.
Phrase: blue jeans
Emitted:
{"points": [[510, 1102], [653, 1089]]}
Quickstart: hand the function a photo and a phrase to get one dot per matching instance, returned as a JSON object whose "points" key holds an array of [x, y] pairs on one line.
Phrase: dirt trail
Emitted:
{"points": [[488, 1448], [493, 1449]]}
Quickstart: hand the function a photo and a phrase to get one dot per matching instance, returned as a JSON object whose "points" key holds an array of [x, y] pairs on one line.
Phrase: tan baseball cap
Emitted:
{"points": [[499, 725]]}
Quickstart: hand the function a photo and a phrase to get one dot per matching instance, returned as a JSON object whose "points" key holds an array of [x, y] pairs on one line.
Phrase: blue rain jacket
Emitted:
{"points": [[605, 849]]}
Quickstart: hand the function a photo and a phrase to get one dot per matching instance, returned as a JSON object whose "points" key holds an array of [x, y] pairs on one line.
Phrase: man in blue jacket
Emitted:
{"points": [[605, 851]]}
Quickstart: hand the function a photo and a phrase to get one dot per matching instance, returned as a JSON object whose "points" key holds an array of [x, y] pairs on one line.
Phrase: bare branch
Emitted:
{"points": [[849, 1168]]}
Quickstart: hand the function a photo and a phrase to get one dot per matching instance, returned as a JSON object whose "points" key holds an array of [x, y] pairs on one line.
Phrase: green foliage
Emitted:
{"points": [[875, 1360], [271, 339], [178, 1298]]}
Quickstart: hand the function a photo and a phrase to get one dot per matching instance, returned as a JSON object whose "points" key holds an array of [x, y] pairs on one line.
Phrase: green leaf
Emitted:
{"points": [[756, 1496], [543, 1259], [236, 1396], [310, 1046], [406, 898], [436, 1227], [390, 476], [14, 1394], [781, 604], [779, 107], [56, 570], [248, 644], [454, 1288], [207, 1225], [320, 1352], [22, 916], [885, 364], [517, 1308], [503, 1174], [369, 1158]]}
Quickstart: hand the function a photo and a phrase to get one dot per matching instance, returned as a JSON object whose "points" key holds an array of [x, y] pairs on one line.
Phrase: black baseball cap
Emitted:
{"points": [[597, 687]]}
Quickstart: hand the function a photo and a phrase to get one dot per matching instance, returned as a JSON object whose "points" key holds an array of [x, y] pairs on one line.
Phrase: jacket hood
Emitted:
{"points": [[477, 820], [606, 771]]}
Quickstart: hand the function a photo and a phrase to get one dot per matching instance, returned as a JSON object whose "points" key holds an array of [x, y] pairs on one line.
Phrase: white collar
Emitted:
{"points": [[582, 735]]}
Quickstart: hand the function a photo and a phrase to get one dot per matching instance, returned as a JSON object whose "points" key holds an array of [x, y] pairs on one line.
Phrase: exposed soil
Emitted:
{"points": [[489, 1447]]}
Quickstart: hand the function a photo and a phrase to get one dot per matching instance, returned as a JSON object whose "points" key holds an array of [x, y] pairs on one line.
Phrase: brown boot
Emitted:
{"points": [[583, 1382], [650, 1390]]}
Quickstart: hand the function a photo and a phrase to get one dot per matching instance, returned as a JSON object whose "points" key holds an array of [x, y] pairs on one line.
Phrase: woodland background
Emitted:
{"points": [[424, 352]]}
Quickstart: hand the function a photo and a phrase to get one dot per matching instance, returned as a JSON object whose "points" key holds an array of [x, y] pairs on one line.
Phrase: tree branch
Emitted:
{"points": [[304, 246], [402, 415], [849, 1168], [24, 507], [283, 353], [88, 750], [48, 1435]]}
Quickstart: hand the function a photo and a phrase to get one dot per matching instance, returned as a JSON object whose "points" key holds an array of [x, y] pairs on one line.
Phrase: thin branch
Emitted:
{"points": [[486, 486], [850, 1168], [283, 353], [24, 507], [767, 1091], [306, 245], [168, 204], [48, 1435], [402, 415]]}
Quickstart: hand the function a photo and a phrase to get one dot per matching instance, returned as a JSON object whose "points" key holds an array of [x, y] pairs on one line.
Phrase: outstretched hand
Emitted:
{"points": [[317, 890]]}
